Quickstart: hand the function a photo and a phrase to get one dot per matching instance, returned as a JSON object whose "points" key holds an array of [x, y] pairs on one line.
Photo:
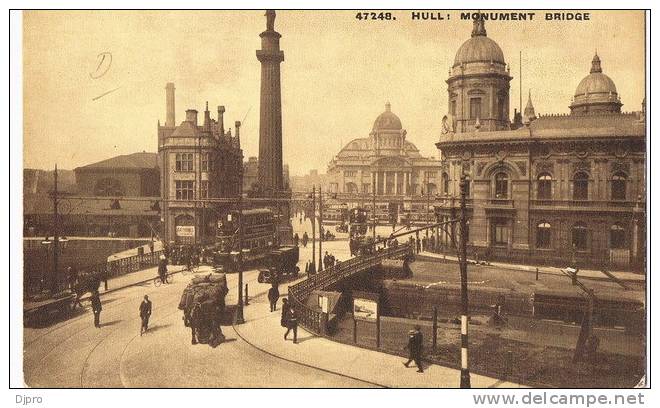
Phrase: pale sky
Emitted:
{"points": [[337, 75]]}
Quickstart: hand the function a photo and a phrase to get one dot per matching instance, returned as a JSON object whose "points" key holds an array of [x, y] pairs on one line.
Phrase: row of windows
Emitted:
{"points": [[185, 189], [501, 231], [184, 162], [579, 234], [544, 186], [475, 108]]}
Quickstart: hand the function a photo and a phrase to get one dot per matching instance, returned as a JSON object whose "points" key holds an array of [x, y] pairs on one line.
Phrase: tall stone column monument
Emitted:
{"points": [[269, 176], [270, 123]]}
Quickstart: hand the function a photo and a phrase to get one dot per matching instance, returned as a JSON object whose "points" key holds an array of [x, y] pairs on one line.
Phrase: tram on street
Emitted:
{"points": [[258, 237]]}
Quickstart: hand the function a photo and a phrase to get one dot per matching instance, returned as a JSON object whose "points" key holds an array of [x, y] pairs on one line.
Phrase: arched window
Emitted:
{"points": [[619, 186], [501, 185], [351, 188], [581, 186], [617, 237], [467, 186], [543, 235], [544, 191], [445, 183], [108, 187], [579, 237]]}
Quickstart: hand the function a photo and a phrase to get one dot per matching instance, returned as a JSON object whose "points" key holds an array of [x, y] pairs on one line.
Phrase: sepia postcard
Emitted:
{"points": [[333, 199]]}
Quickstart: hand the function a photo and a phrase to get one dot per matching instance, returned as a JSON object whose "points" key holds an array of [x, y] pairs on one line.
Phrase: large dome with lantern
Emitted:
{"points": [[387, 120], [479, 48]]}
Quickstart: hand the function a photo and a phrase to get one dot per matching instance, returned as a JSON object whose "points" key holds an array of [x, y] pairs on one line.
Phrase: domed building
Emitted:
{"points": [[478, 84], [384, 163], [554, 189], [596, 93]]}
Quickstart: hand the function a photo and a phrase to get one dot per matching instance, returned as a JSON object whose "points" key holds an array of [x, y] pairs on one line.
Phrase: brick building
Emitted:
{"points": [[198, 163]]}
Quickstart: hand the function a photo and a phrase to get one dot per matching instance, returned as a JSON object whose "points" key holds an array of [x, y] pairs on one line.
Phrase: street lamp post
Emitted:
{"points": [[313, 217], [239, 264], [465, 371], [320, 227], [56, 236]]}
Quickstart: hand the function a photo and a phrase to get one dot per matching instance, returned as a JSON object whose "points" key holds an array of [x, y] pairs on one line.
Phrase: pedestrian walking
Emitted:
{"points": [[96, 308], [290, 321], [72, 276], [296, 239], [414, 347], [285, 313], [273, 295], [305, 239], [162, 269], [145, 313]]}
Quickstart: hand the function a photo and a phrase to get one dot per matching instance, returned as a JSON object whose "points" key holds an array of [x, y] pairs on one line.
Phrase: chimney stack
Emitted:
{"points": [[169, 103], [237, 125], [221, 121], [191, 116], [207, 118]]}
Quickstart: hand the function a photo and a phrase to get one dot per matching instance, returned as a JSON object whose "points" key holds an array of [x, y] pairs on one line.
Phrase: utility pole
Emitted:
{"points": [[373, 214], [428, 204], [239, 311], [56, 236], [320, 228], [313, 227], [465, 371]]}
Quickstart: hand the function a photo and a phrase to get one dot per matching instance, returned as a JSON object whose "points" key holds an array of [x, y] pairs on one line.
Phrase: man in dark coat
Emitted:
{"points": [[292, 324], [415, 348], [289, 320], [273, 295], [305, 238], [96, 308], [145, 313]]}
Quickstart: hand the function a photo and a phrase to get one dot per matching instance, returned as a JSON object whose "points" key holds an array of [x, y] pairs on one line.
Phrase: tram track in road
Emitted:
{"points": [[84, 315], [113, 313], [85, 364]]}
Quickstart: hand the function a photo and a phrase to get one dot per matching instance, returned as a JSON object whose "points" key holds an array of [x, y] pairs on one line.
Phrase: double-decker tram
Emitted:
{"points": [[258, 237]]}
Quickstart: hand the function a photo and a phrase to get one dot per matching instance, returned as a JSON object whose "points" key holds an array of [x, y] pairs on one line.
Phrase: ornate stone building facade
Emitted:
{"points": [[557, 189], [387, 164], [198, 163]]}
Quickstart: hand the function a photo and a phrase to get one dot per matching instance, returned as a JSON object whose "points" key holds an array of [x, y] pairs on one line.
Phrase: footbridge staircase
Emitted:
{"points": [[309, 318]]}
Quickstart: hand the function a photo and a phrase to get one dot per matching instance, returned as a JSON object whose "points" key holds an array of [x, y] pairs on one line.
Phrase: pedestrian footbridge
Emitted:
{"points": [[311, 319]]}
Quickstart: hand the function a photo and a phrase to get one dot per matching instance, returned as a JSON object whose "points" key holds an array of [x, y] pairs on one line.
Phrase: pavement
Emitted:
{"points": [[73, 353], [548, 270], [262, 329]]}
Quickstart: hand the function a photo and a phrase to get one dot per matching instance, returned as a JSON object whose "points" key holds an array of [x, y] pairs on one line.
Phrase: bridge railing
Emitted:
{"points": [[298, 293], [122, 266]]}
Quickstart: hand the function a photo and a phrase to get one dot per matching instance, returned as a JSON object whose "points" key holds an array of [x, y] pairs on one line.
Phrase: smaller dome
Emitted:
{"points": [[387, 120], [596, 89]]}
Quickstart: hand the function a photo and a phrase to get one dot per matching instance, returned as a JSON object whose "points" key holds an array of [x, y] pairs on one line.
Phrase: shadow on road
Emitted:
{"points": [[157, 327], [111, 323]]}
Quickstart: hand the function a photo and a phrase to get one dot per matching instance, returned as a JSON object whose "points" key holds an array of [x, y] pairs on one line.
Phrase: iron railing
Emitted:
{"points": [[298, 293]]}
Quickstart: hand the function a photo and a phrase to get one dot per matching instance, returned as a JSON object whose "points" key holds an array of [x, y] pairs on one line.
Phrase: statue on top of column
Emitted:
{"points": [[270, 20]]}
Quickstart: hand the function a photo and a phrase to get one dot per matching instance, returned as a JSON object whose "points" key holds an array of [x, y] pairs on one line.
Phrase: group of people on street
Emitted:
{"points": [[328, 260]]}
